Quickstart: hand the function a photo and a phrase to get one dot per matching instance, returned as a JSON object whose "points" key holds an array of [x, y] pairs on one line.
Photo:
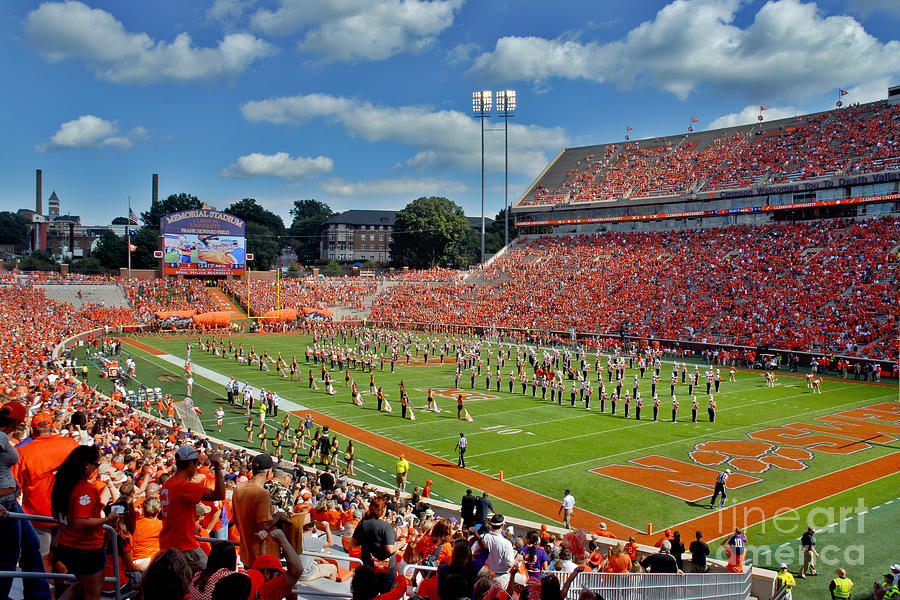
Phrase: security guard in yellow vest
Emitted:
{"points": [[840, 586], [891, 591]]}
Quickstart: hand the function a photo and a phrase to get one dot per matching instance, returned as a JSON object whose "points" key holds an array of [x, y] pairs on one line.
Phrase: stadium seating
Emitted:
{"points": [[852, 140], [818, 286]]}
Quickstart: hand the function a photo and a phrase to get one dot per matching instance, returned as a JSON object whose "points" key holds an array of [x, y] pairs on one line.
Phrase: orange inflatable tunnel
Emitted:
{"points": [[284, 315], [219, 318], [178, 314]]}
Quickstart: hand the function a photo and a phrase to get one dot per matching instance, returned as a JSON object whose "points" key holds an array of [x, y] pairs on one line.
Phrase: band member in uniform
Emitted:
{"points": [[637, 407], [674, 409], [627, 403], [711, 410], [694, 406], [612, 402], [656, 408]]}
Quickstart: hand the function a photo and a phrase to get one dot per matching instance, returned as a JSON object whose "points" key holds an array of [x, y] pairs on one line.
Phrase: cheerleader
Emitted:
{"points": [[276, 445], [220, 415], [335, 446], [286, 423], [349, 457], [249, 430], [263, 443], [431, 406], [314, 443], [292, 451]]}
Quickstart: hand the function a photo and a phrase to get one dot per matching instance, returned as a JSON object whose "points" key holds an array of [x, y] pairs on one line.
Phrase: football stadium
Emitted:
{"points": [[672, 372]]}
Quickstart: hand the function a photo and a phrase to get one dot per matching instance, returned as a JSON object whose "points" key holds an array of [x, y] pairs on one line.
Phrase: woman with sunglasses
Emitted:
{"points": [[76, 504]]}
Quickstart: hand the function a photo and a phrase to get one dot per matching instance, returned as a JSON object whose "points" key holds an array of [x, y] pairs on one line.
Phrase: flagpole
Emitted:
{"points": [[128, 237]]}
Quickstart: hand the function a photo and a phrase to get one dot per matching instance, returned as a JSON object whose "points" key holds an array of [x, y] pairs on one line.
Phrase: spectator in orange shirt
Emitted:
{"points": [[179, 497], [146, 533], [603, 531], [667, 535], [631, 549], [36, 471], [618, 561], [76, 502]]}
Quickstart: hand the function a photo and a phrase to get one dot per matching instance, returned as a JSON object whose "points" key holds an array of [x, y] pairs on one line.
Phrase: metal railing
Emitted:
{"points": [[117, 594], [662, 586]]}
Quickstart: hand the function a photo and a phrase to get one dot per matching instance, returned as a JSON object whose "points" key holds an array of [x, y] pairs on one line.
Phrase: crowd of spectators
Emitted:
{"points": [[853, 140], [822, 286]]}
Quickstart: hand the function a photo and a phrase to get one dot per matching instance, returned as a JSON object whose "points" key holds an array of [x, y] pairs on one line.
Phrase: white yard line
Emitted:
{"points": [[644, 448]]}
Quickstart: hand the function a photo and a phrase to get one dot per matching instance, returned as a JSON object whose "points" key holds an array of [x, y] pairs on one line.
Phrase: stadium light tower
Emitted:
{"points": [[506, 105], [481, 104]]}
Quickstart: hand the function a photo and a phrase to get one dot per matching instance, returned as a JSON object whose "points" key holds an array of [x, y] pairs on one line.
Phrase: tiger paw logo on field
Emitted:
{"points": [[750, 457]]}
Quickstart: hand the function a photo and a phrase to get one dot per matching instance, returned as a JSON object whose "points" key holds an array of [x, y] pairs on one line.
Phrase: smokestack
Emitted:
{"points": [[39, 208], [155, 188], [72, 238]]}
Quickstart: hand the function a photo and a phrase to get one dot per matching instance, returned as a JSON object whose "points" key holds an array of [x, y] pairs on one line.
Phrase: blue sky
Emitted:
{"points": [[367, 103]]}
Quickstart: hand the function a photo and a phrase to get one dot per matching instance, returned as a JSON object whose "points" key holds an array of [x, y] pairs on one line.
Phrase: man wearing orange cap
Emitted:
{"points": [[39, 457], [426, 493]]}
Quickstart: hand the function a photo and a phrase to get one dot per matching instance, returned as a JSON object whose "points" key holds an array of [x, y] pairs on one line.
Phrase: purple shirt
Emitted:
{"points": [[540, 557]]}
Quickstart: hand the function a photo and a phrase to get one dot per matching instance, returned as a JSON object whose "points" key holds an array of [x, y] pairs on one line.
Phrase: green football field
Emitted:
{"points": [[631, 472]]}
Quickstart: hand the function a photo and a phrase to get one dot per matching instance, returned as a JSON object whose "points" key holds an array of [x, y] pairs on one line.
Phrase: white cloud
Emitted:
{"points": [[405, 187], [462, 53], [229, 12], [870, 91], [64, 30], [88, 131], [789, 50], [443, 139], [280, 164], [349, 30], [750, 114]]}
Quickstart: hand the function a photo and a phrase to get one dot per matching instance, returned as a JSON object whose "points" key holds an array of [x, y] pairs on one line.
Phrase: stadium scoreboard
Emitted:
{"points": [[203, 242]]}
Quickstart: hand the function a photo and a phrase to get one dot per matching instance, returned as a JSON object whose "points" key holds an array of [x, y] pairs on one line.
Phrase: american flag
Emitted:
{"points": [[132, 216]]}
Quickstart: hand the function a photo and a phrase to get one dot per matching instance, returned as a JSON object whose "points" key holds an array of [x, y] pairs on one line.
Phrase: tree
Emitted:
{"points": [[430, 232], [263, 245], [264, 231], [13, 229], [39, 260], [495, 235], [111, 251], [248, 210], [146, 241], [121, 221], [174, 203], [304, 232]]}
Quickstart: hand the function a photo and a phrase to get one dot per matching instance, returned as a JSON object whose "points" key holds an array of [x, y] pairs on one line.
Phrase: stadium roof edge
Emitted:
{"points": [[653, 141], [539, 177]]}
